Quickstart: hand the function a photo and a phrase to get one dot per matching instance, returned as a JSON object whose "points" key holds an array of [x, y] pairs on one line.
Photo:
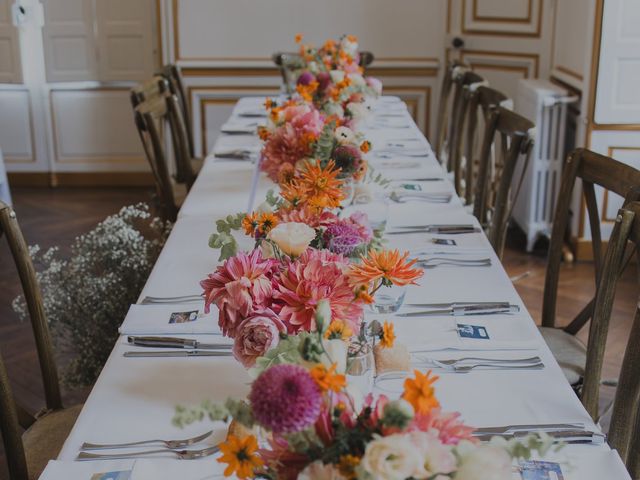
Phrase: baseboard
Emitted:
{"points": [[80, 179]]}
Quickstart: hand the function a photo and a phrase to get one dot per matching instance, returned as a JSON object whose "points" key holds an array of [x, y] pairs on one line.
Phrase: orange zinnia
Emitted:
{"points": [[388, 336], [386, 265], [250, 222], [338, 329], [322, 185], [266, 222], [328, 379], [365, 146], [419, 392], [240, 456], [293, 192]]}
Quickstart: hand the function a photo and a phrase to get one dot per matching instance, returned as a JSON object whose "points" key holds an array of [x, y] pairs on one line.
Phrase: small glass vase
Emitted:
{"points": [[349, 189], [360, 368], [388, 299]]}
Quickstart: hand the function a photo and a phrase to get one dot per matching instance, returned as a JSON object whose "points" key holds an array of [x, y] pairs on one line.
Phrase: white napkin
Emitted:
{"points": [[203, 469], [154, 320], [226, 143], [94, 470]]}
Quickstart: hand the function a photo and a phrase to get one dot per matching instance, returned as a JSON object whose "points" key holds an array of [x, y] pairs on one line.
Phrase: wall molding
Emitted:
{"points": [[479, 18], [494, 29], [521, 61], [80, 179]]}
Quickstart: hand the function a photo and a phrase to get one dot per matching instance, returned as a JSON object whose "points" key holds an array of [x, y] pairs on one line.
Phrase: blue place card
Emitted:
{"points": [[122, 475], [472, 331], [538, 470]]}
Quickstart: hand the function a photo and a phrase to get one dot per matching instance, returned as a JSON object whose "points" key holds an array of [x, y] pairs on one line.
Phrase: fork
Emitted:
{"points": [[181, 299], [435, 198], [468, 368], [454, 362], [436, 262], [181, 454], [170, 444]]}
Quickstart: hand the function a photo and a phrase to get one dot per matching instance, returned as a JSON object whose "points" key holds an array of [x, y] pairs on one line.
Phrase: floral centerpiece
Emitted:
{"points": [[332, 79], [301, 420], [297, 132]]}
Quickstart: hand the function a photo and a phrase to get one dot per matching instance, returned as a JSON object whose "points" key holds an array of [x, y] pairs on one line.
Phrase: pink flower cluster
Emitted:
{"points": [[260, 298], [345, 236], [291, 141]]}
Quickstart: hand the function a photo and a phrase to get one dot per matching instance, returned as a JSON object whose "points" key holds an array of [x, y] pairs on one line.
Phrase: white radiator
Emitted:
{"points": [[545, 104]]}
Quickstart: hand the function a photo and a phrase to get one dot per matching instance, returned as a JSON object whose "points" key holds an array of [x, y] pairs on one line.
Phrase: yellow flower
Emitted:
{"points": [[419, 392], [240, 456], [347, 465], [338, 329], [365, 146], [250, 222], [328, 379], [266, 222], [388, 336]]}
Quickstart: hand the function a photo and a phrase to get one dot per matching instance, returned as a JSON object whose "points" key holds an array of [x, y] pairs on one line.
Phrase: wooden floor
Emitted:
{"points": [[54, 217]]}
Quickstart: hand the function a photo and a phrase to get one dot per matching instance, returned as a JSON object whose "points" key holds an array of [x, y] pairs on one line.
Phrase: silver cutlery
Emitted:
{"points": [[400, 153], [459, 304], [177, 353], [239, 154], [457, 311], [430, 198], [564, 436], [425, 179], [436, 229], [170, 444], [540, 427], [457, 361], [496, 366], [174, 342], [181, 454], [182, 299], [434, 262]]}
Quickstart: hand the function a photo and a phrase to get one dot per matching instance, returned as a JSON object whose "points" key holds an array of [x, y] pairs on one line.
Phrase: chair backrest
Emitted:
{"points": [[492, 205], [624, 430], [12, 415], [289, 62], [444, 121], [159, 86], [593, 170], [176, 87], [149, 116], [478, 101], [463, 85]]}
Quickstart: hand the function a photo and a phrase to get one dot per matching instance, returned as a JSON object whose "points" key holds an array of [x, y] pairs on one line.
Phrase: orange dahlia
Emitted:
{"points": [[240, 456], [322, 185], [419, 392], [387, 267]]}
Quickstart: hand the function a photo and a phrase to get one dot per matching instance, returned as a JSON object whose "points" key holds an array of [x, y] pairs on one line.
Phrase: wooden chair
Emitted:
{"points": [[176, 87], [28, 453], [444, 122], [593, 170], [463, 85], [492, 206], [159, 86], [624, 430], [477, 101], [149, 116], [289, 62]]}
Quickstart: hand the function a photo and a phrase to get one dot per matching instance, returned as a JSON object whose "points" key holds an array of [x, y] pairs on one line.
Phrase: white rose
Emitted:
{"points": [[436, 457], [483, 462], [319, 471], [357, 80], [345, 136], [358, 110], [293, 238], [336, 353], [390, 458], [336, 76]]}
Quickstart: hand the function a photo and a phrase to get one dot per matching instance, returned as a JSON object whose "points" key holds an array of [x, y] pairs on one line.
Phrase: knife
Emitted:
{"points": [[529, 428], [173, 342], [458, 311], [460, 304], [448, 230], [178, 353], [566, 436]]}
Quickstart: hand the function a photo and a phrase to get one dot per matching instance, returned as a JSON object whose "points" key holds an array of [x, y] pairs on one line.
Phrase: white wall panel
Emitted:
{"points": [[618, 97], [94, 129], [570, 57], [9, 46], [15, 126], [249, 31]]}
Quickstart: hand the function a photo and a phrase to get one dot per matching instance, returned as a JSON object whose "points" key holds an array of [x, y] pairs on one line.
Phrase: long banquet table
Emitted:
{"points": [[135, 398]]}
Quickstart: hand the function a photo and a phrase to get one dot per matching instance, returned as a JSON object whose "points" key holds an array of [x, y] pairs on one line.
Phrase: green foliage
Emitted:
{"points": [[373, 177], [325, 144], [224, 239], [87, 295], [287, 351]]}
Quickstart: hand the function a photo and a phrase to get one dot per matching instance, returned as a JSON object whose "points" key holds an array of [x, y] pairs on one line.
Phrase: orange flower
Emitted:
{"points": [[328, 379], [240, 456], [362, 293], [298, 37], [330, 46], [322, 185], [347, 465], [268, 103], [307, 91], [352, 38], [263, 133], [266, 222], [365, 146], [250, 223], [293, 193], [419, 392], [388, 336], [387, 266], [338, 329]]}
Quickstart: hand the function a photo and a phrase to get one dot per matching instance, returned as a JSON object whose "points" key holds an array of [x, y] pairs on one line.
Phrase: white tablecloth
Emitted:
{"points": [[135, 398]]}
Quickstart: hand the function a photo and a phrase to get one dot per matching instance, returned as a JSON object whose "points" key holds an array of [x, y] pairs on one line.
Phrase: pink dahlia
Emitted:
{"points": [[256, 335], [282, 150], [450, 428], [316, 275], [239, 287], [285, 399]]}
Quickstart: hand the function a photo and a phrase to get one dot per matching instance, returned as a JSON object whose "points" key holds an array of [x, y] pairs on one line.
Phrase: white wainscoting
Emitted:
{"points": [[16, 127], [93, 130]]}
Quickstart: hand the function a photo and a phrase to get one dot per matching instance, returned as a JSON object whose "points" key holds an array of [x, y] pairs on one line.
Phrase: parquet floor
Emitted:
{"points": [[54, 217]]}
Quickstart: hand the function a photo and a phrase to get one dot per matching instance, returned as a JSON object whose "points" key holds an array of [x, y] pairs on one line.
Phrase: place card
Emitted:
{"points": [[539, 470], [472, 331]]}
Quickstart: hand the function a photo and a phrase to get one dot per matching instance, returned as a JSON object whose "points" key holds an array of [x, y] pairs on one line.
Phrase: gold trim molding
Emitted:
{"points": [[501, 33], [479, 18]]}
